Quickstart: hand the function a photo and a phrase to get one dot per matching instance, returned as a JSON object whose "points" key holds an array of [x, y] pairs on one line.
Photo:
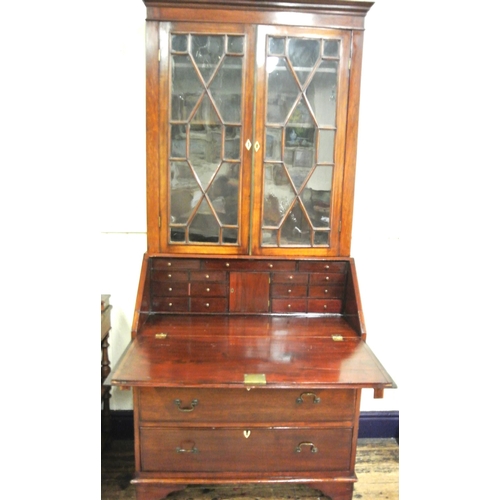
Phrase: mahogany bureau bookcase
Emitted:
{"points": [[248, 350]]}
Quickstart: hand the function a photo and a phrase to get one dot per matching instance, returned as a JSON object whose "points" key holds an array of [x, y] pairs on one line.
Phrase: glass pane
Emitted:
{"points": [[273, 144], [235, 44], [296, 229], [317, 196], [178, 141], [322, 93], [321, 238], [184, 191], [205, 227], [303, 55], [223, 193], [226, 88], [270, 237], [186, 88], [232, 141], [326, 146], [207, 51], [282, 90], [205, 142], [331, 48], [276, 46], [179, 43], [278, 194]]}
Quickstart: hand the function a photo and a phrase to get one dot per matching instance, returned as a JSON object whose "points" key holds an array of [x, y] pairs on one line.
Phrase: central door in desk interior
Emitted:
{"points": [[227, 178]]}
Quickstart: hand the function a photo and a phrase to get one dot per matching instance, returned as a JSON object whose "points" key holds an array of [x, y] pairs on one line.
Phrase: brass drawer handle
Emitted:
{"points": [[300, 399], [313, 448], [183, 450], [178, 403]]}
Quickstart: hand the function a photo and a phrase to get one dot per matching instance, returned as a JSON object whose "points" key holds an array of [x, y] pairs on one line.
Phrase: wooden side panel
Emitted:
{"points": [[249, 292], [353, 312], [143, 300], [351, 144], [152, 135]]}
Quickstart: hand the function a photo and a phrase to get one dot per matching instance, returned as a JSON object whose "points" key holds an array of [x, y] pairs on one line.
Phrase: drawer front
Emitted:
{"points": [[293, 278], [208, 276], [162, 263], [289, 290], [166, 304], [162, 275], [327, 279], [175, 289], [208, 304], [289, 305], [320, 266], [239, 405], [208, 290], [331, 306], [245, 450], [327, 291]]}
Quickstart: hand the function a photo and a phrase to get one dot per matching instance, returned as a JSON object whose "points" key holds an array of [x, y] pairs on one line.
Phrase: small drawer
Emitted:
{"points": [[332, 306], [208, 304], [327, 279], [245, 449], [208, 276], [174, 289], [170, 304], [264, 406], [327, 291], [164, 263], [288, 290], [322, 266], [169, 276], [295, 278], [208, 289], [288, 305]]}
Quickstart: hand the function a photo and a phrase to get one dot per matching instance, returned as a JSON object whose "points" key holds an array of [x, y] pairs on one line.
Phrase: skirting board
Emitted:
{"points": [[372, 424]]}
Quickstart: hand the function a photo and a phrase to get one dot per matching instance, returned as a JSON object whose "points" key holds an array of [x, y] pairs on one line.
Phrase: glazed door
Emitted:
{"points": [[206, 78], [252, 137], [301, 132]]}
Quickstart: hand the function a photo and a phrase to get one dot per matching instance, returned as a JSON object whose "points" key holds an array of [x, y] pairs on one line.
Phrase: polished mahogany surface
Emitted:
{"points": [[217, 351]]}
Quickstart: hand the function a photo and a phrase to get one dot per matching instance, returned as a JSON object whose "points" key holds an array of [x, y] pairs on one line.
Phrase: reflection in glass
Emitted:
{"points": [[205, 132]]}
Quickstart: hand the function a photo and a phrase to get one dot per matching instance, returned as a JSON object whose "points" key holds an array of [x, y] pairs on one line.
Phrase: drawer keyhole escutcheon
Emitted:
{"points": [[184, 450], [300, 399], [247, 434], [313, 448], [178, 403]]}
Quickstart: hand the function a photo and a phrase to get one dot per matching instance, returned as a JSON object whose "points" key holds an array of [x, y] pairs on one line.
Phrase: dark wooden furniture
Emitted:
{"points": [[105, 369], [248, 351]]}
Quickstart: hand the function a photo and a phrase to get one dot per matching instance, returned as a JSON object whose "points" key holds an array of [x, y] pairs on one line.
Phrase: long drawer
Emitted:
{"points": [[240, 405], [245, 450]]}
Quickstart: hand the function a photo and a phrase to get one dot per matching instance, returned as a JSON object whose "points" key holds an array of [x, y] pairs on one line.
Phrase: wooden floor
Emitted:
{"points": [[377, 468]]}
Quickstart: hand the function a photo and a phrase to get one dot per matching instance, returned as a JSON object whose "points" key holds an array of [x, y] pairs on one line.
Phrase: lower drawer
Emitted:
{"points": [[245, 450], [292, 406]]}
